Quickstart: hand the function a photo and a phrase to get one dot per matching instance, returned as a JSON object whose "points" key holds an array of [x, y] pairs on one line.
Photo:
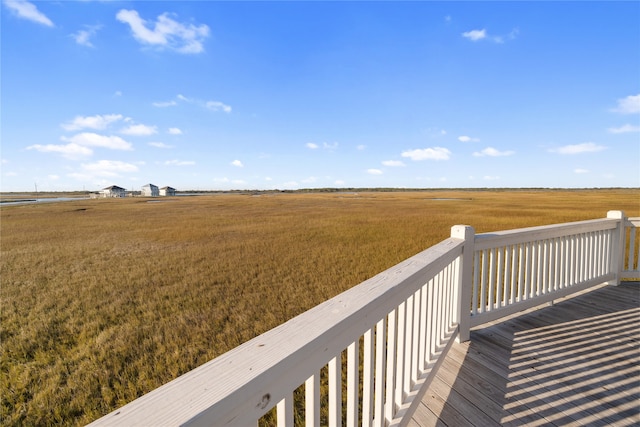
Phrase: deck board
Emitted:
{"points": [[576, 362]]}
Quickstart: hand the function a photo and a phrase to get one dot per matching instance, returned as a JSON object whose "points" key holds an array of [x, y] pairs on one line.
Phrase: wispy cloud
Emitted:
{"points": [[477, 35], [492, 152], [374, 171], [82, 37], [628, 105], [90, 139], [27, 10], [465, 138], [325, 146], [175, 131], [218, 106], [237, 163], [625, 129], [393, 163], [97, 122], [179, 162], [69, 151], [139, 130], [165, 32], [109, 168], [435, 153], [160, 145], [585, 147], [210, 105], [580, 171], [165, 104]]}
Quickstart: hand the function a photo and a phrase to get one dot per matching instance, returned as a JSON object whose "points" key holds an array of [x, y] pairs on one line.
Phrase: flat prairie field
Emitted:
{"points": [[105, 300]]}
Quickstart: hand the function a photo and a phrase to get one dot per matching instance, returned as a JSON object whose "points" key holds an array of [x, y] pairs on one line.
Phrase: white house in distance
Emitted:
{"points": [[150, 190], [167, 191], [112, 191]]}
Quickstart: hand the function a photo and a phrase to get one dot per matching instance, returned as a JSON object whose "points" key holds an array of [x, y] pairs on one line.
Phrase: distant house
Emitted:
{"points": [[167, 191], [150, 190], [112, 191]]}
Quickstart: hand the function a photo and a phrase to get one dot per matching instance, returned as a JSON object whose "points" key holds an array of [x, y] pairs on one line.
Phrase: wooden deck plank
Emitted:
{"points": [[576, 362]]}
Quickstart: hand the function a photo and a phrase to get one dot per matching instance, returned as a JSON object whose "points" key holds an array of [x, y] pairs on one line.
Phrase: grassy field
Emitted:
{"points": [[105, 300]]}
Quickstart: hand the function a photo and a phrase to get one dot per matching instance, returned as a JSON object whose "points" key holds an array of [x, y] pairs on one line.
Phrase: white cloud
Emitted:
{"points": [[165, 32], [312, 146], [179, 163], [625, 129], [580, 170], [435, 153], [218, 106], [210, 105], [361, 147], [160, 145], [585, 147], [97, 122], [53, 177], [492, 152], [139, 130], [237, 163], [393, 163], [70, 151], [628, 105], [165, 104], [175, 131], [29, 11], [465, 138], [475, 35], [109, 168], [374, 172], [82, 37], [330, 147], [89, 139]]}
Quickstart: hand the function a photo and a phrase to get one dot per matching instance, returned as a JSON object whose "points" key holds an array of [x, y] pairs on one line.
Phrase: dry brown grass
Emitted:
{"points": [[105, 300]]}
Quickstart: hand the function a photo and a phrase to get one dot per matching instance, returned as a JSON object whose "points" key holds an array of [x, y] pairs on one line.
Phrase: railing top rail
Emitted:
{"points": [[249, 372], [530, 234]]}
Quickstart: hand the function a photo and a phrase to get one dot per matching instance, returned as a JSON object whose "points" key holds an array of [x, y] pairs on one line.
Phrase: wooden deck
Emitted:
{"points": [[574, 363]]}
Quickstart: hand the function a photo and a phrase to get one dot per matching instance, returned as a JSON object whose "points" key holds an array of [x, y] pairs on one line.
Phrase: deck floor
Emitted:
{"points": [[575, 363]]}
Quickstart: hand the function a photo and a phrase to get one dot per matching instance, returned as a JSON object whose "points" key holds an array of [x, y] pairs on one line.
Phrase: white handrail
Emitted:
{"points": [[631, 265], [518, 269], [409, 309]]}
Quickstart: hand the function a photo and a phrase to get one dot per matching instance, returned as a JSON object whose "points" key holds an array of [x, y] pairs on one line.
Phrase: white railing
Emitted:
{"points": [[366, 356], [631, 265], [518, 269]]}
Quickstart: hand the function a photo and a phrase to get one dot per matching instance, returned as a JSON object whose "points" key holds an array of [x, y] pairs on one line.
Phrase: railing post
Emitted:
{"points": [[618, 249], [468, 234]]}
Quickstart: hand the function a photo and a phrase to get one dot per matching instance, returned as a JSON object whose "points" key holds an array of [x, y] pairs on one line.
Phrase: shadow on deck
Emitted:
{"points": [[574, 363]]}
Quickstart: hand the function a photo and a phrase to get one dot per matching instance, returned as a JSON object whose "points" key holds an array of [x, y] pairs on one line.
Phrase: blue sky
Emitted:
{"points": [[284, 95]]}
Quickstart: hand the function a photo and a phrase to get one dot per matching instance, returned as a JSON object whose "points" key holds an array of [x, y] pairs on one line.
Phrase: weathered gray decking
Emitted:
{"points": [[574, 363]]}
